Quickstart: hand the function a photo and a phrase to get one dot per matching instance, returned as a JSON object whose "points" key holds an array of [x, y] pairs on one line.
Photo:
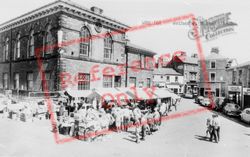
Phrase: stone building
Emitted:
{"points": [[79, 48], [188, 67], [168, 78], [216, 71], [238, 84]]}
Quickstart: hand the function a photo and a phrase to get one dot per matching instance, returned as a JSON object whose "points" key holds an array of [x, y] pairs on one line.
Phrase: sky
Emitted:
{"points": [[165, 38]]}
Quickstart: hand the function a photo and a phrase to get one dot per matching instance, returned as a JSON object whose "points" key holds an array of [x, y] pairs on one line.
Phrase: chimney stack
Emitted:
{"points": [[96, 10]]}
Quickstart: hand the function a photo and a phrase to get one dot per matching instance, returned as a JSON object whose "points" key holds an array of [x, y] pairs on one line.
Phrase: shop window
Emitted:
{"points": [[5, 81], [83, 81], [29, 81], [16, 81]]}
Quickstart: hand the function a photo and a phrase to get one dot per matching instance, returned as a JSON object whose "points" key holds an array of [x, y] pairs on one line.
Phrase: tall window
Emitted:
{"points": [[240, 77], [117, 81], [212, 65], [5, 81], [107, 81], [48, 42], [212, 77], [16, 81], [234, 77], [31, 44], [85, 41], [107, 47], [17, 47], [148, 82], [83, 81], [47, 81], [29, 81], [6, 50], [132, 81]]}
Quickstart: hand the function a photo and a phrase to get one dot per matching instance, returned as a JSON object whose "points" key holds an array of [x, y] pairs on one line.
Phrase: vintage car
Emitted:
{"points": [[231, 109], [245, 115], [198, 99], [206, 102], [188, 95]]}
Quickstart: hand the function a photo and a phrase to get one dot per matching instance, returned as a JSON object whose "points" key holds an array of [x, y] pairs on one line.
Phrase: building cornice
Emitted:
{"points": [[61, 6]]}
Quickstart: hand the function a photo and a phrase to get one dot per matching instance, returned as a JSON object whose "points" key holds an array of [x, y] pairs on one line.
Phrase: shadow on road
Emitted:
{"points": [[247, 134], [202, 138]]}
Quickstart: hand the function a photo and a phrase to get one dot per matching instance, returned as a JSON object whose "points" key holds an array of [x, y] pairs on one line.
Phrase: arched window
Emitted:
{"points": [[108, 46], [85, 41], [17, 47], [31, 46], [48, 40], [6, 50]]}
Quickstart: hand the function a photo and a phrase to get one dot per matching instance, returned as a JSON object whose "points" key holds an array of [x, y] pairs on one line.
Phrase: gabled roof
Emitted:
{"points": [[166, 71], [139, 49], [186, 59]]}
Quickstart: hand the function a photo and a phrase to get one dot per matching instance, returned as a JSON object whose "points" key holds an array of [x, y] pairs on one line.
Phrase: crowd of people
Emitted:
{"points": [[82, 118]]}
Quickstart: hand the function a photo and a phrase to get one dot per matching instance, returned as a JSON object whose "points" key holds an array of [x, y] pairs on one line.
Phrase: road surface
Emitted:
{"points": [[180, 137]]}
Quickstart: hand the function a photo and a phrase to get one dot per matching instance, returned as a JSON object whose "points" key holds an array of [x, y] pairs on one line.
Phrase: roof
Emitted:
{"points": [[240, 65], [139, 49], [166, 71], [188, 60], [57, 6], [215, 56]]}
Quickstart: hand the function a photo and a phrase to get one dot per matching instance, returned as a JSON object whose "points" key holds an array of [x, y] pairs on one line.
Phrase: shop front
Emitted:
{"points": [[234, 94], [246, 98]]}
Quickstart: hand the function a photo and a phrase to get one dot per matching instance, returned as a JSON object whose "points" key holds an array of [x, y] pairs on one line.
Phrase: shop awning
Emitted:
{"points": [[79, 93], [110, 94], [162, 93], [139, 93]]}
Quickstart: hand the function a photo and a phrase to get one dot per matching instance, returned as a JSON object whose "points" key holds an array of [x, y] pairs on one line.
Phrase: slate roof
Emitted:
{"points": [[166, 71]]}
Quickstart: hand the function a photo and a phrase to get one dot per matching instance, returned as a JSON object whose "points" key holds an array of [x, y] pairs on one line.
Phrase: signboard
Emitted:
{"points": [[234, 88], [246, 91]]}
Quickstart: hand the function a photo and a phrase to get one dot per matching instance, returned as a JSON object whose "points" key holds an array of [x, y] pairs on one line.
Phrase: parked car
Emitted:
{"points": [[206, 102], [188, 95], [245, 115], [231, 109], [198, 99]]}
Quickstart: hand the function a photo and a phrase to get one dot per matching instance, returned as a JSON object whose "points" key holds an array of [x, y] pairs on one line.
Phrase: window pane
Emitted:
{"points": [[85, 41], [107, 81], [83, 81]]}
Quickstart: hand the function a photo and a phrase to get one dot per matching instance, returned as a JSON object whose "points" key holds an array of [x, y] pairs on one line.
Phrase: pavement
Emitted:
{"points": [[179, 137]]}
